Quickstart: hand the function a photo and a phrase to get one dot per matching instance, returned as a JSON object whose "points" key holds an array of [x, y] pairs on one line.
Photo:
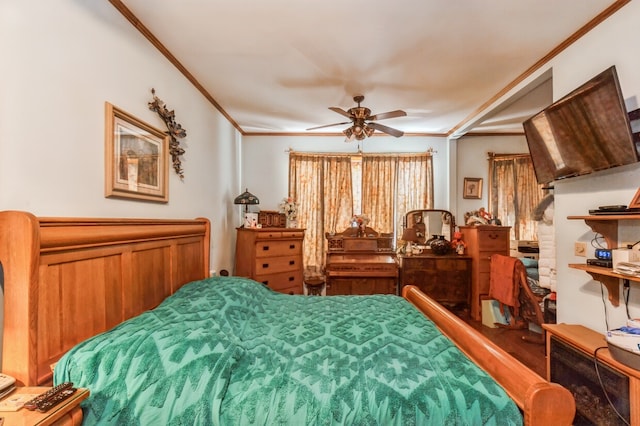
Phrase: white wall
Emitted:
{"points": [[613, 42], [473, 162], [61, 60]]}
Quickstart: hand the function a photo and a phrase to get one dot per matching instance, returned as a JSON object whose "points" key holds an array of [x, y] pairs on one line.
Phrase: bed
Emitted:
{"points": [[115, 274]]}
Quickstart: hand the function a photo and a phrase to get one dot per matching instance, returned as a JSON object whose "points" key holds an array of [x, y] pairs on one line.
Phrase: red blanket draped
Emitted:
{"points": [[504, 281]]}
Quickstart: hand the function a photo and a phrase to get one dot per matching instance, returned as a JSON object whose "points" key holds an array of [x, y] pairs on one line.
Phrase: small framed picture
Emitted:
{"points": [[136, 158], [472, 188]]}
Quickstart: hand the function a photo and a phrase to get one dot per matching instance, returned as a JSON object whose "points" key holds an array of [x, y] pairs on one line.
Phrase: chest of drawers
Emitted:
{"points": [[483, 241], [272, 256], [447, 278]]}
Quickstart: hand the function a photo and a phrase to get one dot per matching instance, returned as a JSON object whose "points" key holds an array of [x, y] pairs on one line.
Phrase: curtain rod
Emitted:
{"points": [[429, 151]]}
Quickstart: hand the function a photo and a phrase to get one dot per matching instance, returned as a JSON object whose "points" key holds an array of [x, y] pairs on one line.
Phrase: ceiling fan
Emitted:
{"points": [[364, 124]]}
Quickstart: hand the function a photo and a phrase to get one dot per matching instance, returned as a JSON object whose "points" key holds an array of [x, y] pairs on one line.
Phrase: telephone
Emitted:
{"points": [[7, 384]]}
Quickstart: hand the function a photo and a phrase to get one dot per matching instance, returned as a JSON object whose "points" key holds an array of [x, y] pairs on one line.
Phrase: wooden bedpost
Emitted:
{"points": [[19, 251], [542, 403]]}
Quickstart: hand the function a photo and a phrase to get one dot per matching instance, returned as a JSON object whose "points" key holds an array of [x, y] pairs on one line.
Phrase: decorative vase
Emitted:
{"points": [[430, 240], [292, 223], [440, 246]]}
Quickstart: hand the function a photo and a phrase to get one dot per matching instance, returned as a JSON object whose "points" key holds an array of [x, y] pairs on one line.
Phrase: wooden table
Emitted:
{"points": [[68, 412]]}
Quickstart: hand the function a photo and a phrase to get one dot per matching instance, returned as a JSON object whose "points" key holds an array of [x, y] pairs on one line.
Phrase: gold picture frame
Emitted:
{"points": [[472, 188], [136, 158]]}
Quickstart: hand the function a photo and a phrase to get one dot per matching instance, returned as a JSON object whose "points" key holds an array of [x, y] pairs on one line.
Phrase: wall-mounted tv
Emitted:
{"points": [[585, 131]]}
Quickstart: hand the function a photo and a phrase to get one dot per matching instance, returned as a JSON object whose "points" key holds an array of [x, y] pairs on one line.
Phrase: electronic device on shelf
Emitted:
{"points": [[603, 254], [612, 210], [600, 262]]}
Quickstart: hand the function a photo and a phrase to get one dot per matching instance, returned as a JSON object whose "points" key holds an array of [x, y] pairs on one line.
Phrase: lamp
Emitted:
{"points": [[410, 235], [245, 199]]}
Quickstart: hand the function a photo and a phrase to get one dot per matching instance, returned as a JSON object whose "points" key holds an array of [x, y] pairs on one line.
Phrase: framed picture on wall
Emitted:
{"points": [[136, 158], [472, 188]]}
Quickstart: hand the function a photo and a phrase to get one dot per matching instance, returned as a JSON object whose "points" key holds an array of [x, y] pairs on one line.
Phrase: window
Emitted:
{"points": [[331, 188], [514, 193]]}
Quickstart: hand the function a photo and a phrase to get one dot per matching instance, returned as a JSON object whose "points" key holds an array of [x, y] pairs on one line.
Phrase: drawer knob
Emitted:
{"points": [[292, 262], [292, 278], [265, 265], [292, 246], [265, 248]]}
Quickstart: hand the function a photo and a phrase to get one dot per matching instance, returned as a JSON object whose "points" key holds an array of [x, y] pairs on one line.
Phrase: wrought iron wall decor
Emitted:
{"points": [[174, 130]]}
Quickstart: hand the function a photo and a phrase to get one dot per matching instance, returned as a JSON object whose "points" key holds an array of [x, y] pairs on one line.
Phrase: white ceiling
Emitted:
{"points": [[276, 66]]}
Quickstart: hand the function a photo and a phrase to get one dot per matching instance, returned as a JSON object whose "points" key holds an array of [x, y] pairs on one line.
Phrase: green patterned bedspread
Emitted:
{"points": [[229, 351]]}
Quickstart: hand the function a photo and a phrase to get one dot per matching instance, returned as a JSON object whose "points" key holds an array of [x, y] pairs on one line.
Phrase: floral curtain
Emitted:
{"points": [[321, 184], [414, 189], [394, 184], [514, 193]]}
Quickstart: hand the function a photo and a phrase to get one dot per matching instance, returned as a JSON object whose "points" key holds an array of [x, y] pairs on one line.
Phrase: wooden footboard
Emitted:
{"points": [[542, 403], [67, 279]]}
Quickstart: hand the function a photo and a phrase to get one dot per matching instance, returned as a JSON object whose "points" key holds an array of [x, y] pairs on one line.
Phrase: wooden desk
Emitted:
{"points": [[67, 413], [361, 265]]}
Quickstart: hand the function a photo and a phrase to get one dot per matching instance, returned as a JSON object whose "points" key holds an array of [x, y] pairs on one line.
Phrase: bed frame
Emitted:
{"points": [[67, 279]]}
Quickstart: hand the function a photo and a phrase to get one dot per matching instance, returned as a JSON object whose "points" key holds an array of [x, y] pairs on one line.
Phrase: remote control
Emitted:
{"points": [[55, 400], [33, 404]]}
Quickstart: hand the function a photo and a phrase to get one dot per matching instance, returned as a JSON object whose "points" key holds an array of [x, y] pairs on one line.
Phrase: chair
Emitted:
{"points": [[510, 287]]}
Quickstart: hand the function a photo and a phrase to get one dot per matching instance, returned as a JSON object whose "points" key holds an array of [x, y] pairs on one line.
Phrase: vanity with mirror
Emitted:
{"points": [[444, 277]]}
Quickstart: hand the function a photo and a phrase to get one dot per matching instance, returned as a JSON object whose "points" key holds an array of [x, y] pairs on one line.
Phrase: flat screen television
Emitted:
{"points": [[586, 131]]}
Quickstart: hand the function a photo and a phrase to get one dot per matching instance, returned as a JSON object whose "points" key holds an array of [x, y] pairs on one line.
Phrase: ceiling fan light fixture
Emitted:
{"points": [[348, 133], [368, 131]]}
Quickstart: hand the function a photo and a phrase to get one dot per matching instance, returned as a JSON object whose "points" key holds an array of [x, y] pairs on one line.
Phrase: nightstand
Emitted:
{"points": [[67, 413]]}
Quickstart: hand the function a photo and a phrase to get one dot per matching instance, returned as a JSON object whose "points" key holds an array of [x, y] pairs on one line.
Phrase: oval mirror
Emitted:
{"points": [[429, 222]]}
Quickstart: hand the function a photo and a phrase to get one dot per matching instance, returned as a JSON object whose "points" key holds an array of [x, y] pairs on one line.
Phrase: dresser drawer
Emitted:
{"points": [[491, 240], [278, 248], [273, 265], [269, 235], [284, 282]]}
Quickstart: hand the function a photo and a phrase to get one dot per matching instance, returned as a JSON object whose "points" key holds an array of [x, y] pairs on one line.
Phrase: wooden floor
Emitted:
{"points": [[530, 354]]}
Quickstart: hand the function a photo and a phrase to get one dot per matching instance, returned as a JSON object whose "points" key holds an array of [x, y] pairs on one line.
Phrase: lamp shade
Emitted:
{"points": [[246, 198], [410, 234]]}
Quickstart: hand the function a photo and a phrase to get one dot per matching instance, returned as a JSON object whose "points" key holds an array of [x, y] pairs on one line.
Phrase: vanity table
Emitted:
{"points": [[444, 277]]}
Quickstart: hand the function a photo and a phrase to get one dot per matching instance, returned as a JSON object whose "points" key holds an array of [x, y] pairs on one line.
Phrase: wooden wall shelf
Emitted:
{"points": [[607, 226]]}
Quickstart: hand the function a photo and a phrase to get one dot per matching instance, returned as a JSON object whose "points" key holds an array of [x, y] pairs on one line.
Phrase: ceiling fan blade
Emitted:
{"points": [[340, 111], [390, 114], [329, 125], [386, 129]]}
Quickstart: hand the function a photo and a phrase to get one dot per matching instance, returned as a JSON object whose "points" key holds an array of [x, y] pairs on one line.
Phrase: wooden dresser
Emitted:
{"points": [[272, 256], [483, 241], [361, 265], [447, 278]]}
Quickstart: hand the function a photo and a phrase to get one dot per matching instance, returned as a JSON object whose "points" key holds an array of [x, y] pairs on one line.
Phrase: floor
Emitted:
{"points": [[530, 354]]}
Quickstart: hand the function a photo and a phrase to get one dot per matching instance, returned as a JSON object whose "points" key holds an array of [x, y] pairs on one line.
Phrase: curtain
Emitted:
{"points": [[378, 188], [414, 189], [321, 184], [514, 193]]}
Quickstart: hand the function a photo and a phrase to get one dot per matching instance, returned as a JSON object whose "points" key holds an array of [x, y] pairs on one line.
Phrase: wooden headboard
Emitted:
{"points": [[67, 279]]}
